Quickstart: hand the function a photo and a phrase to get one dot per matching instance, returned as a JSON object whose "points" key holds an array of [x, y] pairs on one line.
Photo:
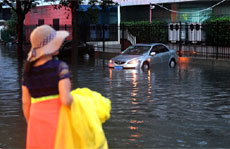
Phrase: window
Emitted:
{"points": [[40, 22], [162, 49], [159, 49], [56, 24]]}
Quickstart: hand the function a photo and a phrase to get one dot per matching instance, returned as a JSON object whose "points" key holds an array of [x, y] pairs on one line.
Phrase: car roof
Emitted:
{"points": [[148, 44]]}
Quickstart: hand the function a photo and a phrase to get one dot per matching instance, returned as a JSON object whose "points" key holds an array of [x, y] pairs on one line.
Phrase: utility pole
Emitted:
{"points": [[150, 14], [151, 7]]}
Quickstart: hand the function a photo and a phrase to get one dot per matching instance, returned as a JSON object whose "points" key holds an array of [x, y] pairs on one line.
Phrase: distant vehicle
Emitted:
{"points": [[143, 56], [83, 49]]}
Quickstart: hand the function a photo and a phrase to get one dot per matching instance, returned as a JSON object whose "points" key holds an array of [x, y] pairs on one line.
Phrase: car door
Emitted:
{"points": [[164, 54], [155, 58]]}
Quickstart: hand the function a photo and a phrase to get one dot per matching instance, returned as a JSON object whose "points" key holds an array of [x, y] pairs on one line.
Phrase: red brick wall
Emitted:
{"points": [[48, 13]]}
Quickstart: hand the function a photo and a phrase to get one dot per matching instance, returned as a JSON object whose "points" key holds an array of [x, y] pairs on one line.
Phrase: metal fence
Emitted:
{"points": [[191, 39]]}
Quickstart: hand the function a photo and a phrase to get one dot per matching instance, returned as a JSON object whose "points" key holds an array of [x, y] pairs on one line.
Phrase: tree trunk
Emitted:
{"points": [[20, 20], [20, 35], [74, 30]]}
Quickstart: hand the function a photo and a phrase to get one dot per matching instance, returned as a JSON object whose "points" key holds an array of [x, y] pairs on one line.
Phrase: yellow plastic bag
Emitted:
{"points": [[81, 125]]}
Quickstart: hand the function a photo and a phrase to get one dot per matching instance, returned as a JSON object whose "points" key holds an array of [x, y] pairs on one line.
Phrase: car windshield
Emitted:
{"points": [[136, 50]]}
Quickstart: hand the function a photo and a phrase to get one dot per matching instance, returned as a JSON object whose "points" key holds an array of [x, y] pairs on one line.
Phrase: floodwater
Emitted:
{"points": [[183, 107]]}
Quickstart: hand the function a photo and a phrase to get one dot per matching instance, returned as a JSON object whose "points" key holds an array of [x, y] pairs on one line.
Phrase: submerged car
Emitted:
{"points": [[143, 56], [82, 47]]}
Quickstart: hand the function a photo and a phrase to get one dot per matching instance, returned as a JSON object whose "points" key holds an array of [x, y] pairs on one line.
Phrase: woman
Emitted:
{"points": [[46, 86]]}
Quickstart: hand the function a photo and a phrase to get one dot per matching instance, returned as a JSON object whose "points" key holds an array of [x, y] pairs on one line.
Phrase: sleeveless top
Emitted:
{"points": [[43, 80]]}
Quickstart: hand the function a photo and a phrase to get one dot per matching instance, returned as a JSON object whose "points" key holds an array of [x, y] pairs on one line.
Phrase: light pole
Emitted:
{"points": [[150, 12]]}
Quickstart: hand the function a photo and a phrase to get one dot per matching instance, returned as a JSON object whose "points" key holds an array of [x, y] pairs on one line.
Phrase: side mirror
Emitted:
{"points": [[153, 53]]}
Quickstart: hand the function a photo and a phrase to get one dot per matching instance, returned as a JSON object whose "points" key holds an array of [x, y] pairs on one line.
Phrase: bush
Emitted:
{"points": [[9, 32], [217, 30], [157, 31], [5, 35]]}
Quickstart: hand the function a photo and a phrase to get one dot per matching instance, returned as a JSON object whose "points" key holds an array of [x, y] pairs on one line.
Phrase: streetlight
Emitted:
{"points": [[150, 12]]}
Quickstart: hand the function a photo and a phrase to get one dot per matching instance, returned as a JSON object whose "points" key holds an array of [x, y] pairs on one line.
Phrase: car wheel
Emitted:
{"points": [[145, 66], [172, 63]]}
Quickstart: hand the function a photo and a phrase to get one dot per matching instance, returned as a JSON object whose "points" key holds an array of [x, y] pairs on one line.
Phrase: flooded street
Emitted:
{"points": [[187, 106]]}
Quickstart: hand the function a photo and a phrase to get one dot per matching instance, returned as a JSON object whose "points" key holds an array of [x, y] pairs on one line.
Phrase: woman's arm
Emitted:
{"points": [[64, 87], [26, 102]]}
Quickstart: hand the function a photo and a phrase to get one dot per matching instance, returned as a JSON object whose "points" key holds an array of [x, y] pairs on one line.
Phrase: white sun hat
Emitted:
{"points": [[45, 41]]}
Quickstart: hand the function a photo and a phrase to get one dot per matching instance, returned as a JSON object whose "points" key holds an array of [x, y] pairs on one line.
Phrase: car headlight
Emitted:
{"points": [[134, 62], [110, 61]]}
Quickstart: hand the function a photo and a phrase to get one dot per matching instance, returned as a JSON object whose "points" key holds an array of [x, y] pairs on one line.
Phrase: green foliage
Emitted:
{"points": [[92, 13], [217, 30], [10, 30], [12, 24], [157, 31], [5, 35]]}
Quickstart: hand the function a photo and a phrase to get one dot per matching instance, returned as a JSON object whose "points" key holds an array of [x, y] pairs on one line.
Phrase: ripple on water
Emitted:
{"points": [[163, 108]]}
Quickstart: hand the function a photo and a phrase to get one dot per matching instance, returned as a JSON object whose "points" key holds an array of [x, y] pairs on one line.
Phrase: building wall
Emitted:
{"points": [[161, 14], [135, 13], [5, 13], [48, 13], [223, 9], [141, 12], [145, 2]]}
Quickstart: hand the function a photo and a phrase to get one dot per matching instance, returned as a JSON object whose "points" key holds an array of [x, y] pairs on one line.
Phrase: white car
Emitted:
{"points": [[143, 56]]}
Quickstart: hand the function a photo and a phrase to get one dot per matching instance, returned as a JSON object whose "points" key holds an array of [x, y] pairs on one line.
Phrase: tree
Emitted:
{"points": [[10, 30], [21, 9], [11, 24], [73, 5]]}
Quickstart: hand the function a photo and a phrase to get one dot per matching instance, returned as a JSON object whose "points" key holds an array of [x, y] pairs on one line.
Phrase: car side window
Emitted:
{"points": [[159, 49], [163, 49], [155, 49]]}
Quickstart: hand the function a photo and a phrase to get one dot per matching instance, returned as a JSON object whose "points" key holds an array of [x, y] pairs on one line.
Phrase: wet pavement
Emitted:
{"points": [[186, 106]]}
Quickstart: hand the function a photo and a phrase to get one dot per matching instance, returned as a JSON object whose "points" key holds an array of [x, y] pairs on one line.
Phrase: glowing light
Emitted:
{"points": [[134, 79], [149, 84], [133, 128], [132, 139], [135, 136], [133, 111], [134, 62], [183, 59], [136, 122], [134, 103], [110, 74], [110, 61]]}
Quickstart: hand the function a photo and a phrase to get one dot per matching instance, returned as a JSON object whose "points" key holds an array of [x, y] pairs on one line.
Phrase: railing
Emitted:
{"points": [[211, 43], [128, 36]]}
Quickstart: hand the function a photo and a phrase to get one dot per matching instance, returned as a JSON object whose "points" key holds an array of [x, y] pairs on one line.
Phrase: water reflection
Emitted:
{"points": [[170, 107], [185, 107], [12, 124]]}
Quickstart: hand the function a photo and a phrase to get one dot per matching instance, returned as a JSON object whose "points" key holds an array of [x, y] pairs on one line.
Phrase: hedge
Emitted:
{"points": [[217, 31], [145, 32]]}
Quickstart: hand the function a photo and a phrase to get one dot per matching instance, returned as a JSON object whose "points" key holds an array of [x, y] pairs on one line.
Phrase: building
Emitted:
{"points": [[5, 13], [47, 15], [172, 10], [91, 22]]}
